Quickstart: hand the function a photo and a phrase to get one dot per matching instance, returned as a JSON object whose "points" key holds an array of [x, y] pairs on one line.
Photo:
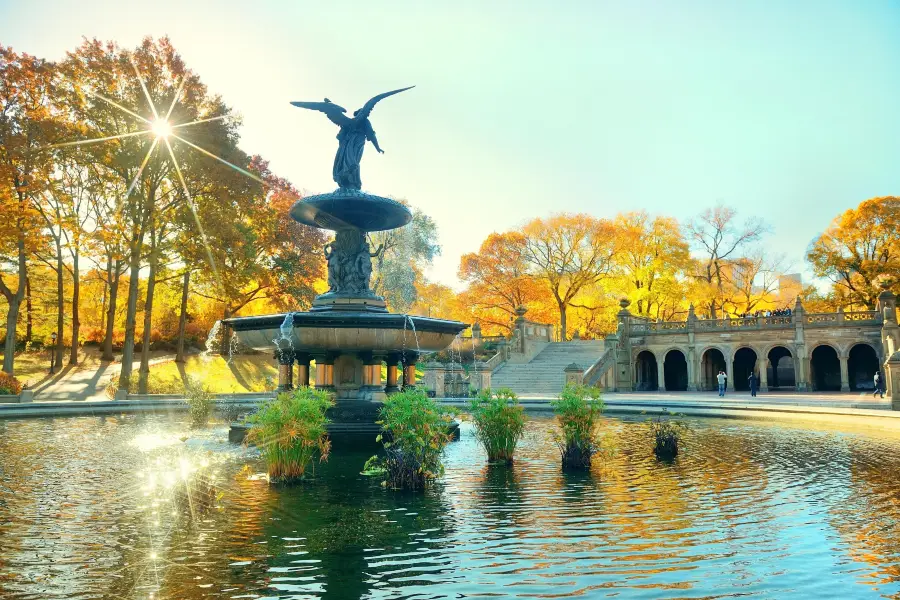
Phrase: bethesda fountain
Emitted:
{"points": [[348, 331]]}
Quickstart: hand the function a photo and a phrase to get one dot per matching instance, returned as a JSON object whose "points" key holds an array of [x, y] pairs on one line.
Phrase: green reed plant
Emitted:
{"points": [[199, 400], [667, 436], [578, 409], [290, 432], [499, 422], [415, 431]]}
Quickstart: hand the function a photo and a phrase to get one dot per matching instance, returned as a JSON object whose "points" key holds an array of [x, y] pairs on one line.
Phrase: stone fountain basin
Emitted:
{"points": [[348, 332]]}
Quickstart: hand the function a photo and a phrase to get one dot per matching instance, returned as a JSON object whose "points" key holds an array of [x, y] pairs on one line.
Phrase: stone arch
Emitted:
{"points": [[781, 371], [675, 370], [743, 364], [712, 360], [824, 368], [646, 371], [863, 362]]}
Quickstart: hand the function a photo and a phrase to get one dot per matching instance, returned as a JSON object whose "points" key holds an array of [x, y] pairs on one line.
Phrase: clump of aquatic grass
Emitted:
{"points": [[199, 400], [290, 431], [415, 430], [9, 385], [667, 435], [499, 422], [578, 409]]}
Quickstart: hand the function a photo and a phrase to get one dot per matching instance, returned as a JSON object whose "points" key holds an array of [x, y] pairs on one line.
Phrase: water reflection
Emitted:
{"points": [[140, 507]]}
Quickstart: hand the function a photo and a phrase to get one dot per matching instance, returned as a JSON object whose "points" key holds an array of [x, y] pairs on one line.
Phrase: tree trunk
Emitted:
{"points": [[29, 327], [182, 319], [113, 279], [60, 307], [130, 317], [14, 300], [76, 323], [562, 322], [144, 370], [106, 284]]}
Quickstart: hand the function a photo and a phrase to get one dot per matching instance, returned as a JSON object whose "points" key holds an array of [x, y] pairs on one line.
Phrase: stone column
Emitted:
{"points": [[574, 374], [391, 386], [324, 372], [520, 327], [434, 379], [692, 385], [409, 371], [762, 365], [285, 370], [661, 375], [371, 387], [892, 373], [801, 366], [302, 369], [845, 376], [729, 371], [481, 377]]}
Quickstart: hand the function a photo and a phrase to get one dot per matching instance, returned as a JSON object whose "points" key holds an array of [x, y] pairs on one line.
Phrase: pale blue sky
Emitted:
{"points": [[783, 109]]}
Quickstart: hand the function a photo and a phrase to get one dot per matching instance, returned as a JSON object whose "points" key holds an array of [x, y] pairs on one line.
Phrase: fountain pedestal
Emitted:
{"points": [[348, 332]]}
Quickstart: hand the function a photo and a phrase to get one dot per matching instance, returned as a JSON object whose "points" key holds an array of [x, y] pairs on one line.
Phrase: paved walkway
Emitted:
{"points": [[86, 383], [834, 399]]}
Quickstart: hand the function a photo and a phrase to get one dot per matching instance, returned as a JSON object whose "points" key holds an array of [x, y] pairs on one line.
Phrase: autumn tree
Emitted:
{"points": [[569, 253], [121, 95], [404, 254], [260, 254], [720, 240], [28, 124], [498, 279], [860, 252], [653, 263]]}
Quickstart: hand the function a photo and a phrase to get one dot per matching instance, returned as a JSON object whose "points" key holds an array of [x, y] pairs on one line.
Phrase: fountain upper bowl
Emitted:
{"points": [[349, 331], [347, 208]]}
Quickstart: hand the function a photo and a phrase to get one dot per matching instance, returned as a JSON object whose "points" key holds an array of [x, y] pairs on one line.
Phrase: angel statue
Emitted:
{"points": [[352, 136]]}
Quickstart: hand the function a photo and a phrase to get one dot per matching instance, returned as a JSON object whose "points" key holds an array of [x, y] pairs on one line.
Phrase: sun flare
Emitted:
{"points": [[161, 128]]}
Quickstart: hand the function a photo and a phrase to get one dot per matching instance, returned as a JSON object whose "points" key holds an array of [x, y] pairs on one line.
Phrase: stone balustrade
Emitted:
{"points": [[850, 319]]}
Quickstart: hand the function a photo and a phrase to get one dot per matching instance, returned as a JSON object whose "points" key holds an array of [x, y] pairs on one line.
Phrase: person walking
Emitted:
{"points": [[754, 383], [721, 378], [879, 385]]}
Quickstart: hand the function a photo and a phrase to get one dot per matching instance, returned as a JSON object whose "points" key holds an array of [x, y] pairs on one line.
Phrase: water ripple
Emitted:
{"points": [[129, 506]]}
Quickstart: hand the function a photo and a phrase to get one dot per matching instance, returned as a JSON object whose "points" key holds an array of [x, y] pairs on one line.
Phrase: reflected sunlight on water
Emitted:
{"points": [[134, 506]]}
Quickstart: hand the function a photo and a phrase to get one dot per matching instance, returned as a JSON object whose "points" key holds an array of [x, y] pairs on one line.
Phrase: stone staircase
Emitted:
{"points": [[543, 375]]}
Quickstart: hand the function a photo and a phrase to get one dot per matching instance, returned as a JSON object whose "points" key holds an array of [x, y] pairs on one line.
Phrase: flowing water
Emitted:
{"points": [[135, 506]]}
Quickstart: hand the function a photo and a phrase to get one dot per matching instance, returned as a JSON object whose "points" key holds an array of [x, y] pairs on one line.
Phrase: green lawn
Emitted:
{"points": [[32, 368], [243, 374]]}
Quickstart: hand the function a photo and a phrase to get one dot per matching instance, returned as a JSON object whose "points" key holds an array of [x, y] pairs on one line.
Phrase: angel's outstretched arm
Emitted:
{"points": [[370, 135]]}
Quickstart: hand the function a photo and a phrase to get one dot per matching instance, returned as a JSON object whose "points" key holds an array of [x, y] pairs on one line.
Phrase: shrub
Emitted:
{"points": [[200, 402], [9, 385], [666, 437], [577, 410], [415, 432], [499, 422], [290, 431]]}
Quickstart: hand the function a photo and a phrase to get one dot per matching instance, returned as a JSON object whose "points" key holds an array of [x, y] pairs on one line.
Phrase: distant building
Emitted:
{"points": [[789, 287]]}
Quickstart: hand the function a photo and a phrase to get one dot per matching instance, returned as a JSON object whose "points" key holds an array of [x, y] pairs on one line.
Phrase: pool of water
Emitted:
{"points": [[137, 506]]}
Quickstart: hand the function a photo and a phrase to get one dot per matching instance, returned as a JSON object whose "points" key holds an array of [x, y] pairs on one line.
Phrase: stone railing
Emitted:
{"points": [[597, 370], [863, 315], [641, 326], [496, 360], [538, 331], [24, 397]]}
